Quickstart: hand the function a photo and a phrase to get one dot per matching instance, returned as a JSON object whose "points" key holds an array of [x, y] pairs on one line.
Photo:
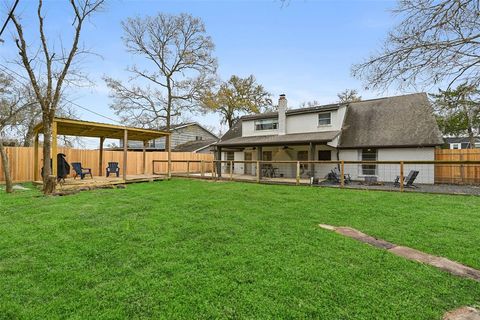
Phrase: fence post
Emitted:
{"points": [[401, 176], [202, 168], [231, 170], [188, 168], [214, 170], [258, 171], [298, 173], [342, 174]]}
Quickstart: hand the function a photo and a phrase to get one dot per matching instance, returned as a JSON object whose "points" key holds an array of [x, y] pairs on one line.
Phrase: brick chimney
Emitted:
{"points": [[282, 119]]}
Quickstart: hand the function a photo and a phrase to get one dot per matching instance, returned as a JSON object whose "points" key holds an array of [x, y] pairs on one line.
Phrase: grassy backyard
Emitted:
{"points": [[197, 249]]}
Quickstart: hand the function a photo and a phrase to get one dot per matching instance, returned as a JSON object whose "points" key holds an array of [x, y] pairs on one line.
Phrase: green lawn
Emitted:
{"points": [[197, 249]]}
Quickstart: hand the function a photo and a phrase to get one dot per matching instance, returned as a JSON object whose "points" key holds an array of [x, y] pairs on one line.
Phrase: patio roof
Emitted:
{"points": [[80, 128], [272, 140]]}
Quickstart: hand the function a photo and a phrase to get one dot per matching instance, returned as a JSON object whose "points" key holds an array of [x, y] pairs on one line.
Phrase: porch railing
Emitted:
{"points": [[315, 172]]}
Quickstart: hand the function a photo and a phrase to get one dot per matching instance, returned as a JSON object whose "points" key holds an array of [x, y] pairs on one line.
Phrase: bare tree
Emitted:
{"points": [[180, 66], [235, 97], [45, 65], [12, 104], [437, 41], [349, 95]]}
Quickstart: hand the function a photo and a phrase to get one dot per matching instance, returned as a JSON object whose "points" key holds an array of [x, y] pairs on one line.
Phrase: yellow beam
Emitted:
{"points": [[36, 172], [125, 153], [54, 148]]}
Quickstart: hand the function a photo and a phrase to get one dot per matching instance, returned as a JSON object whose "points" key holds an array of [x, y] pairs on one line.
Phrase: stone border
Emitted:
{"points": [[442, 263]]}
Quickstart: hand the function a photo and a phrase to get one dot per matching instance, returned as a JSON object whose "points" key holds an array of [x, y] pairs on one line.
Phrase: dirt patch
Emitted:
{"points": [[463, 313], [442, 263]]}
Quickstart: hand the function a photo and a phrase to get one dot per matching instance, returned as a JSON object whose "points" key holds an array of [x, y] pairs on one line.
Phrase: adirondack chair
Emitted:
{"points": [[79, 171], [408, 180], [113, 168]]}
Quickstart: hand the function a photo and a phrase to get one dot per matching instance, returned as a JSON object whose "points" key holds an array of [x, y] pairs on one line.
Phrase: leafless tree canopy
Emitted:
{"points": [[436, 41], [49, 67], [12, 104], [349, 95], [177, 65], [235, 97]]}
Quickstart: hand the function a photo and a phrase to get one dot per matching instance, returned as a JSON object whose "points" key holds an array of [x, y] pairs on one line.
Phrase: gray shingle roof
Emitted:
{"points": [[296, 138], [194, 145], [400, 121]]}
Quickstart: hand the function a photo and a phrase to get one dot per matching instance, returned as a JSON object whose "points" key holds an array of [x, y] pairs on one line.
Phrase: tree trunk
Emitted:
{"points": [[6, 169], [48, 183], [28, 139]]}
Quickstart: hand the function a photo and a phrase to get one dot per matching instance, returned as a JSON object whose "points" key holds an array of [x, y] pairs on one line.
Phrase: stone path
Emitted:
{"points": [[442, 263]]}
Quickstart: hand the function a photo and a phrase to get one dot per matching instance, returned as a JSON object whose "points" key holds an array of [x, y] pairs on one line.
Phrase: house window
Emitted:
{"points": [[455, 146], [197, 138], [369, 155], [267, 155], [477, 145], [325, 119], [324, 155], [266, 124], [230, 156]]}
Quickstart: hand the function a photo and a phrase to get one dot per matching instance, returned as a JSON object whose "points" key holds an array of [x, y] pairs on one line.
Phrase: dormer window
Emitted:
{"points": [[325, 119], [266, 124]]}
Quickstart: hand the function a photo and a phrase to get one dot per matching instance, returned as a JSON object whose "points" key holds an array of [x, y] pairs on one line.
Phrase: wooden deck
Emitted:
{"points": [[88, 182]]}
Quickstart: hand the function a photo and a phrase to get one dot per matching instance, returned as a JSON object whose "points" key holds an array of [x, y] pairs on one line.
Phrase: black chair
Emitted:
{"points": [[408, 180], [63, 168], [79, 171], [113, 168]]}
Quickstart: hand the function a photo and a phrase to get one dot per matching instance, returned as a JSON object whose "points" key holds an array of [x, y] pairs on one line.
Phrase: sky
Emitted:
{"points": [[304, 49]]}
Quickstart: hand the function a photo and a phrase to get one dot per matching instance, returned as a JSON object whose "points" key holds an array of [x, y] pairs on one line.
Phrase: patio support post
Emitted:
{"points": [[298, 173], [202, 168], [100, 157], [401, 176], [36, 172], [231, 170], [259, 158], [169, 155], [219, 162], [342, 174], [125, 153], [54, 148], [311, 153], [144, 157]]}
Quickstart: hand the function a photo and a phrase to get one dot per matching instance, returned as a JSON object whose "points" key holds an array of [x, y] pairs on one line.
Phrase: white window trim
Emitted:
{"points": [[324, 125], [457, 145], [265, 130]]}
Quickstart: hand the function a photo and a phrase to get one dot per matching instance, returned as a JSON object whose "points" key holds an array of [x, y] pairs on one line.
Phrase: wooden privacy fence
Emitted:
{"points": [[458, 174], [21, 161]]}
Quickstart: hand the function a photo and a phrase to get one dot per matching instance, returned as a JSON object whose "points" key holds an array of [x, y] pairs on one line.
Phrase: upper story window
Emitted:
{"points": [[266, 124], [325, 119]]}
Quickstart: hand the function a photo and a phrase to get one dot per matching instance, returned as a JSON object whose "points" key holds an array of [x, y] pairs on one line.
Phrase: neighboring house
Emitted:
{"points": [[460, 142], [186, 136], [394, 128]]}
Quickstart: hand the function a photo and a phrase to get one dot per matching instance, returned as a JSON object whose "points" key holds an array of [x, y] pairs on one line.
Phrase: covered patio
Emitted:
{"points": [[102, 131]]}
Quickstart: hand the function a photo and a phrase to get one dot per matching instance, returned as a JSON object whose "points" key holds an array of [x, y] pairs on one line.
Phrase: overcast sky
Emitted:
{"points": [[304, 49]]}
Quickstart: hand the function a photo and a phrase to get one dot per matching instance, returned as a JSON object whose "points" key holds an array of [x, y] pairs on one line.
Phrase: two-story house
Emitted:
{"points": [[393, 128]]}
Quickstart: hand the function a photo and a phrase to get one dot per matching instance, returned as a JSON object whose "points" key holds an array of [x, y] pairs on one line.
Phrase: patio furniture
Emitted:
{"points": [[269, 171], [408, 180], [113, 168], [79, 171], [335, 176]]}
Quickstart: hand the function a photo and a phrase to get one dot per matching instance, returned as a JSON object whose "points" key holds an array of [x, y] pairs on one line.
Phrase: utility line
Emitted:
{"points": [[10, 14], [5, 68]]}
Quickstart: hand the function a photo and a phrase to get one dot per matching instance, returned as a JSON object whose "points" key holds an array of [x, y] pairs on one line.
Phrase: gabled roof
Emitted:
{"points": [[459, 139], [194, 146], [178, 126], [401, 121]]}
